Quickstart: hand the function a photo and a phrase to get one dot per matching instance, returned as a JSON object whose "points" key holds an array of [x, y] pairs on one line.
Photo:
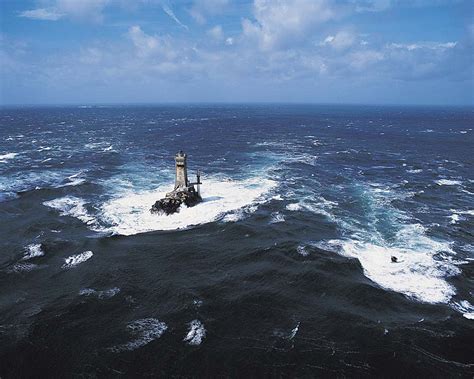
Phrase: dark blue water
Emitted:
{"points": [[285, 268]]}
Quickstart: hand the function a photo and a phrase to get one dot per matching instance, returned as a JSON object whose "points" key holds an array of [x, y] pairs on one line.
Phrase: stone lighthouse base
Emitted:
{"points": [[173, 200]]}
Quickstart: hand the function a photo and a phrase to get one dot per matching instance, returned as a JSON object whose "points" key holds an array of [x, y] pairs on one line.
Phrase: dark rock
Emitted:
{"points": [[173, 200]]}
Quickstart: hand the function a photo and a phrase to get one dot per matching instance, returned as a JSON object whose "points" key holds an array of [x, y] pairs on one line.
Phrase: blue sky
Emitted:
{"points": [[311, 51]]}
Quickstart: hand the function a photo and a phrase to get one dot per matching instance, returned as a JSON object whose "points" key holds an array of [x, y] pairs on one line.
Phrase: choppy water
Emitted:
{"points": [[285, 267]]}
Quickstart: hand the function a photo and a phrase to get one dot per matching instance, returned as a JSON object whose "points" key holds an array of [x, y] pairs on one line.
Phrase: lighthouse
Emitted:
{"points": [[181, 180], [184, 192]]}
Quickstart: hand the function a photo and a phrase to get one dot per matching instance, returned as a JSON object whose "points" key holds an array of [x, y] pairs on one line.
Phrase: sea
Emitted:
{"points": [[284, 270]]}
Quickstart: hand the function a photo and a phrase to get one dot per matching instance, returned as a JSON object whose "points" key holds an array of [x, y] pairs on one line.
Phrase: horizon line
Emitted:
{"points": [[177, 103]]}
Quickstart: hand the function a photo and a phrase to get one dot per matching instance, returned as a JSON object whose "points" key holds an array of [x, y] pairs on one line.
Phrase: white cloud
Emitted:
{"points": [[49, 14], [144, 43], [88, 10], [91, 55], [360, 60], [156, 47], [216, 33], [341, 40], [280, 23], [201, 9], [423, 45]]}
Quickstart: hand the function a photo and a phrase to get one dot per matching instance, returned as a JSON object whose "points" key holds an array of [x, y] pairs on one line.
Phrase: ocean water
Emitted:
{"points": [[283, 270]]}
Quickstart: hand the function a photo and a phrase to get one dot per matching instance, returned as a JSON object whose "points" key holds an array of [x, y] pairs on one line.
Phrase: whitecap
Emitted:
{"points": [[74, 260], [225, 200], [424, 263], [417, 274], [277, 217], [294, 331], [454, 218], [100, 294], [302, 250], [22, 267], [415, 171], [294, 207], [74, 182], [464, 307], [145, 330], [7, 156], [32, 251], [71, 206], [448, 182], [196, 333], [457, 215]]}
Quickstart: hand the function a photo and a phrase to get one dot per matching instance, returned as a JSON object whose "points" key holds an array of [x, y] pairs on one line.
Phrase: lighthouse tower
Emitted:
{"points": [[183, 192], [181, 181]]}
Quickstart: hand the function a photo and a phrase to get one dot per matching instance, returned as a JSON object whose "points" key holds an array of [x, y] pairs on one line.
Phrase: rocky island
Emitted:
{"points": [[184, 192]]}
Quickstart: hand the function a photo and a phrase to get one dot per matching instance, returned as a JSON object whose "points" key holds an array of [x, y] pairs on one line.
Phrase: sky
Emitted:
{"points": [[297, 51]]}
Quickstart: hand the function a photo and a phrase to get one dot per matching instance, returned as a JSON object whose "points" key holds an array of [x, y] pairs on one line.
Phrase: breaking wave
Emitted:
{"points": [[224, 200], [7, 156], [423, 263], [196, 333], [448, 182], [99, 294], [32, 251], [74, 260], [145, 330], [71, 206]]}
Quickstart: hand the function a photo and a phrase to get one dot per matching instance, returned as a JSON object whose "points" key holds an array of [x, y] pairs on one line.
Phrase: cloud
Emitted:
{"points": [[286, 43], [423, 45], [216, 33], [49, 14], [281, 23], [202, 9], [340, 40], [144, 43], [86, 10], [383, 5]]}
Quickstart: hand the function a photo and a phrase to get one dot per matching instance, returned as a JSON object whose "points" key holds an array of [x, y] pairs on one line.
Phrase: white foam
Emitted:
{"points": [[457, 215], [100, 294], [454, 218], [465, 307], [32, 251], [316, 205], [130, 214], [277, 217], [448, 182], [294, 331], [146, 330], [74, 260], [294, 207], [417, 274], [71, 206], [415, 171], [21, 267], [302, 250], [196, 333], [424, 263], [74, 180], [7, 156]]}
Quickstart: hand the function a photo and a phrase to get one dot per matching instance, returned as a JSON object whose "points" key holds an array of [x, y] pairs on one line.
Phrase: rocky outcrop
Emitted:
{"points": [[173, 200]]}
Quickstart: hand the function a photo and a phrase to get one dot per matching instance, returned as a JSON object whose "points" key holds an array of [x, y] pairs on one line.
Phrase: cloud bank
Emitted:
{"points": [[309, 50]]}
